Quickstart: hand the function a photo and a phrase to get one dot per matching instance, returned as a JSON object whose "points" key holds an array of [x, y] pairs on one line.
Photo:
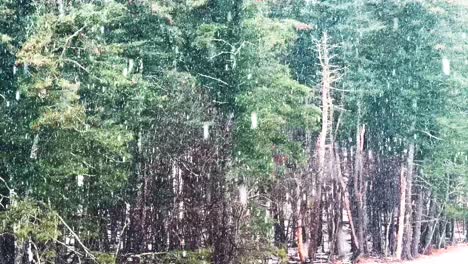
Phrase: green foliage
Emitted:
{"points": [[456, 212], [105, 258], [100, 103], [201, 256], [31, 221]]}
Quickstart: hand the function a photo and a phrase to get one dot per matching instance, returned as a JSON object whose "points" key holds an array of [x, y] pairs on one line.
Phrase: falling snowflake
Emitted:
{"points": [[395, 24], [243, 195], [206, 132], [446, 66], [253, 119], [80, 180]]}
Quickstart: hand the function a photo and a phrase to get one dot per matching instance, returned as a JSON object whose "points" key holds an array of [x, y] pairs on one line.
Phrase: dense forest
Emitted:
{"points": [[232, 131]]}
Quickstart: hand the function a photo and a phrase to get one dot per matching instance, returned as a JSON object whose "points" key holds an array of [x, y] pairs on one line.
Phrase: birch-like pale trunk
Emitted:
{"points": [[407, 250], [417, 227], [358, 184], [409, 209], [327, 80], [346, 200], [401, 216]]}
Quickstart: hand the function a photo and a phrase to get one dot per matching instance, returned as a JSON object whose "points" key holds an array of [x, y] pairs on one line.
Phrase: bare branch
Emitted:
{"points": [[430, 135], [67, 41], [87, 251], [213, 78]]}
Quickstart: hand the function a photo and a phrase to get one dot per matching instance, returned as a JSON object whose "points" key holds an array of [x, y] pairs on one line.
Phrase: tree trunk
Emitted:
{"points": [[401, 216], [341, 241], [417, 227], [19, 252], [300, 242], [346, 200], [409, 210], [327, 81], [430, 234], [453, 224], [359, 188], [442, 235], [7, 249], [466, 230]]}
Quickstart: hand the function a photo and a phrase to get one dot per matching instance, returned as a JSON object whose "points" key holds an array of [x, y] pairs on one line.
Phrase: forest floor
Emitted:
{"points": [[451, 255]]}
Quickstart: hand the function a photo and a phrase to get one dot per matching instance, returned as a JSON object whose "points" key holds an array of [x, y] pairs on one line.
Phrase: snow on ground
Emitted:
{"points": [[452, 255]]}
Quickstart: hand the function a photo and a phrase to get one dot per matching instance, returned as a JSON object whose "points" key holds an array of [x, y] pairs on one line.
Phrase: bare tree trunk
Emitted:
{"points": [[300, 242], [327, 81], [19, 252], [453, 224], [437, 218], [359, 188], [417, 227], [346, 200], [409, 210], [7, 249], [388, 229], [401, 217], [432, 228], [442, 235], [466, 229], [341, 241]]}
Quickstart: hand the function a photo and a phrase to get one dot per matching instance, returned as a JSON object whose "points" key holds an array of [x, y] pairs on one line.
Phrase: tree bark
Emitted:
{"points": [[346, 200], [407, 251], [432, 228], [401, 216], [466, 230], [19, 252], [7, 249], [300, 242], [453, 224], [442, 235], [417, 227], [359, 188], [327, 80]]}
